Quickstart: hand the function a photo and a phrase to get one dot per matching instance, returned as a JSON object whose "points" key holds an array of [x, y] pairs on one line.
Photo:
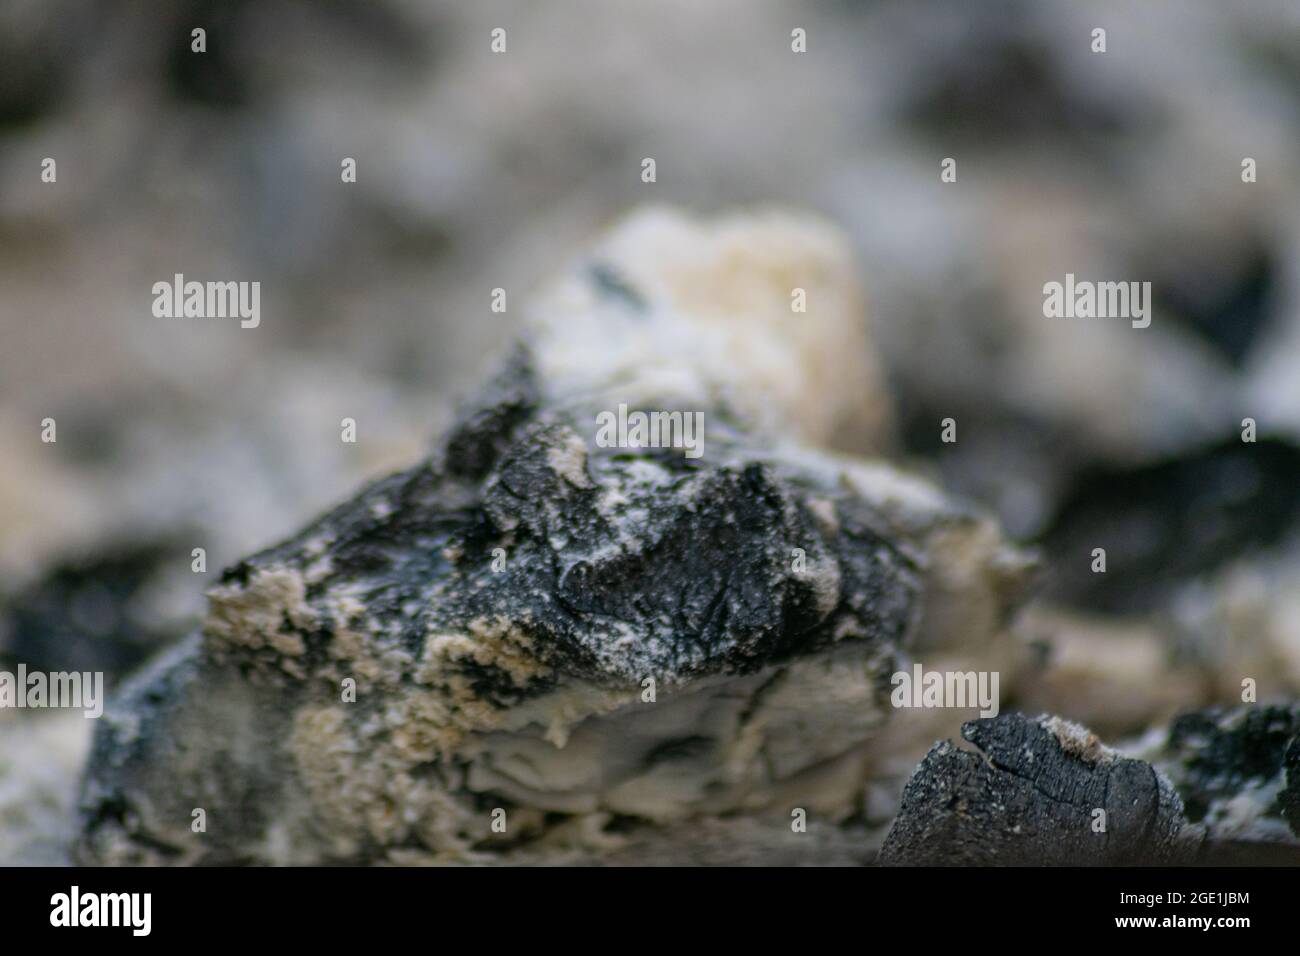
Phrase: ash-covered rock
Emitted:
{"points": [[534, 641], [1040, 791], [1238, 771]]}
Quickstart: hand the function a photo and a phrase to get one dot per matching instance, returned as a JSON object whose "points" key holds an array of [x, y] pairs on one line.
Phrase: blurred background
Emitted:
{"points": [[478, 170]]}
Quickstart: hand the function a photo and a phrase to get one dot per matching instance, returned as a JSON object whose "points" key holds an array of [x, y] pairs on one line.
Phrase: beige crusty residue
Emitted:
{"points": [[254, 616], [1078, 741], [383, 778]]}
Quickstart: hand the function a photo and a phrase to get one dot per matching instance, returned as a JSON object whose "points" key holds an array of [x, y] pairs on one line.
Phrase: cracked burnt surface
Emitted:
{"points": [[603, 643], [1032, 796], [613, 566], [1217, 787]]}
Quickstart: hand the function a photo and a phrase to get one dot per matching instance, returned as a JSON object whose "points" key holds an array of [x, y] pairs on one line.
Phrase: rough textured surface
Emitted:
{"points": [[502, 605], [1217, 786], [1031, 796], [1237, 771]]}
